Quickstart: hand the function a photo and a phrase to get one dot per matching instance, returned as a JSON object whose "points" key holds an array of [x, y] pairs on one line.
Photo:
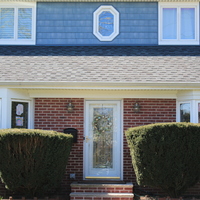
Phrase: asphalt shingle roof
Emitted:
{"points": [[143, 64]]}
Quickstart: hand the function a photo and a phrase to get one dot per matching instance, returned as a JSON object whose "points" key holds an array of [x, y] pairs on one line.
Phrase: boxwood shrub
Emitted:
{"points": [[33, 162], [166, 155]]}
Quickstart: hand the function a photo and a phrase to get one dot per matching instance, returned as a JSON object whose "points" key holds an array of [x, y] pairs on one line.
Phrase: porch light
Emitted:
{"points": [[70, 107], [136, 107]]}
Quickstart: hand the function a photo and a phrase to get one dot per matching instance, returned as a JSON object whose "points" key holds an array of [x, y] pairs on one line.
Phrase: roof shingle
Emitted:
{"points": [[133, 64]]}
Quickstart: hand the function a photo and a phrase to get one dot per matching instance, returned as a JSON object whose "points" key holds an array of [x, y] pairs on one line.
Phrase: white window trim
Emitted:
{"points": [[178, 117], [29, 110], [16, 41], [178, 41], [96, 23]]}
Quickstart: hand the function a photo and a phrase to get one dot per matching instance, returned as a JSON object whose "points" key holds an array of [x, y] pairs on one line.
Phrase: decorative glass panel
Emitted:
{"points": [[24, 23], [103, 138], [185, 112], [6, 23], [187, 23], [19, 115], [169, 23], [106, 23]]}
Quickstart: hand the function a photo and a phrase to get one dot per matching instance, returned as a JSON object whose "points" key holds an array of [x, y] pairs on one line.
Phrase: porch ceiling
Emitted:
{"points": [[108, 67]]}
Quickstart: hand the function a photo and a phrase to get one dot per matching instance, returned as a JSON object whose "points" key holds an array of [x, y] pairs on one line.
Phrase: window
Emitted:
{"points": [[178, 23], [198, 112], [20, 114], [184, 112], [106, 23], [17, 23]]}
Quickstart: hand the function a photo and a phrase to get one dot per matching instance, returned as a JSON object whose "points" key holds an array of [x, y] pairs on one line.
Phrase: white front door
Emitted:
{"points": [[103, 140]]}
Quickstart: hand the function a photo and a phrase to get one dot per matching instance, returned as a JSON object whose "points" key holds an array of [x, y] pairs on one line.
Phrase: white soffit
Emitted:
{"points": [[48, 93]]}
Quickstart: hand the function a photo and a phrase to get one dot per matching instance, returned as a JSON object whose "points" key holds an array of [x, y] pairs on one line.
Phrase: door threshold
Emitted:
{"points": [[101, 182]]}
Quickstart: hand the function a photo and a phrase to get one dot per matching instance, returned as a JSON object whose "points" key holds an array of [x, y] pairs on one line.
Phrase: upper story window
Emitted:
{"points": [[178, 23], [17, 23], [106, 23]]}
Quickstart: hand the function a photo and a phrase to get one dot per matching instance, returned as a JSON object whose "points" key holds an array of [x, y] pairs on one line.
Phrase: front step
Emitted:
{"points": [[101, 191]]}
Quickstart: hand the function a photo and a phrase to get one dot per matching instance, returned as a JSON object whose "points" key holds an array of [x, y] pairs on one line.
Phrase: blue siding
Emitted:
{"points": [[72, 23]]}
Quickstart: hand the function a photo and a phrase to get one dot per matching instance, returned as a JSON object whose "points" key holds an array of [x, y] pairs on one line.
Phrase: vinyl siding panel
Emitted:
{"points": [[67, 23]]}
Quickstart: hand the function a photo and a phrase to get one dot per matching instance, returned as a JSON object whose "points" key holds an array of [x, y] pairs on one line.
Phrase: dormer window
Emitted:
{"points": [[17, 23], [178, 23], [106, 23]]}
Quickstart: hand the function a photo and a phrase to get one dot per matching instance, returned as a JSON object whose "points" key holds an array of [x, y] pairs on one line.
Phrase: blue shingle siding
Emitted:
{"points": [[72, 23]]}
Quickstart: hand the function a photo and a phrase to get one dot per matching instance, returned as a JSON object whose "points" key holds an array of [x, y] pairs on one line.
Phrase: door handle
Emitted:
{"points": [[87, 139]]}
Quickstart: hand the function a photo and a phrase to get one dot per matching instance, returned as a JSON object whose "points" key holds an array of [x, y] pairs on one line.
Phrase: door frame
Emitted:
{"points": [[121, 135]]}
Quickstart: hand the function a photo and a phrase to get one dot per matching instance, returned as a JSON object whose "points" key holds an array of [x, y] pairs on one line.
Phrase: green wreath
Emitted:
{"points": [[102, 124]]}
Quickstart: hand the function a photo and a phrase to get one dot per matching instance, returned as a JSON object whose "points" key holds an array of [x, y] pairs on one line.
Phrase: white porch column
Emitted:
{"points": [[5, 109]]}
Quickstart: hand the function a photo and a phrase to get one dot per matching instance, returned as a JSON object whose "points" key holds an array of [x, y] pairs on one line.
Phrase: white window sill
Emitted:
{"points": [[17, 42], [171, 42]]}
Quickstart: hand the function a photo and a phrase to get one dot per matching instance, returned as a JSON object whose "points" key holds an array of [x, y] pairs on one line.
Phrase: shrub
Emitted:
{"points": [[33, 162], [166, 155]]}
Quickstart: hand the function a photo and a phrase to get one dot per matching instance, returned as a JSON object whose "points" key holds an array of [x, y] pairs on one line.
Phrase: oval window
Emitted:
{"points": [[106, 23]]}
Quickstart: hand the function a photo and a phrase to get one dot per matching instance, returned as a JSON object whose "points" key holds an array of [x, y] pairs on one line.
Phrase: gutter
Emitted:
{"points": [[101, 85]]}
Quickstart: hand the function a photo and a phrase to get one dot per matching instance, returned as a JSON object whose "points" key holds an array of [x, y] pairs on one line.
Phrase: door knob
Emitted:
{"points": [[87, 139]]}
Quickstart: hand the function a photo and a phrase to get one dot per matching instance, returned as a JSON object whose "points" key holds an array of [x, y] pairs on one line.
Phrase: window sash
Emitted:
{"points": [[24, 23], [7, 23], [169, 23], [187, 23]]}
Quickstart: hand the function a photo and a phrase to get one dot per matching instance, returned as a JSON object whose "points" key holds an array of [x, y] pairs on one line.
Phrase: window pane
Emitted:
{"points": [[169, 23], [6, 23], [19, 115], [187, 23], [103, 138], [106, 23], [24, 23], [185, 112], [198, 112]]}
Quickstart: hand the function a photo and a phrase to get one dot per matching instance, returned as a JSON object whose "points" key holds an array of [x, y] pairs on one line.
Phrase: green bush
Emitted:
{"points": [[166, 155], [33, 162]]}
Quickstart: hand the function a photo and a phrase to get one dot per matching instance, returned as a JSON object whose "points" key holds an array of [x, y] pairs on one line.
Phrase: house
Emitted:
{"points": [[99, 67]]}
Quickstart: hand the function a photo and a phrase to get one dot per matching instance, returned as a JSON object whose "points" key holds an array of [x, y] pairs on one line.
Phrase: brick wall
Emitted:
{"points": [[52, 114], [152, 111]]}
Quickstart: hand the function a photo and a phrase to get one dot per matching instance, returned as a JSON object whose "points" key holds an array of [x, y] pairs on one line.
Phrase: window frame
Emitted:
{"points": [[178, 41], [96, 22], [15, 40]]}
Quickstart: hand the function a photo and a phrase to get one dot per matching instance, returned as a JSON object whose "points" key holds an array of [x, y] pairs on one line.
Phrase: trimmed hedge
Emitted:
{"points": [[33, 162], [166, 155]]}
